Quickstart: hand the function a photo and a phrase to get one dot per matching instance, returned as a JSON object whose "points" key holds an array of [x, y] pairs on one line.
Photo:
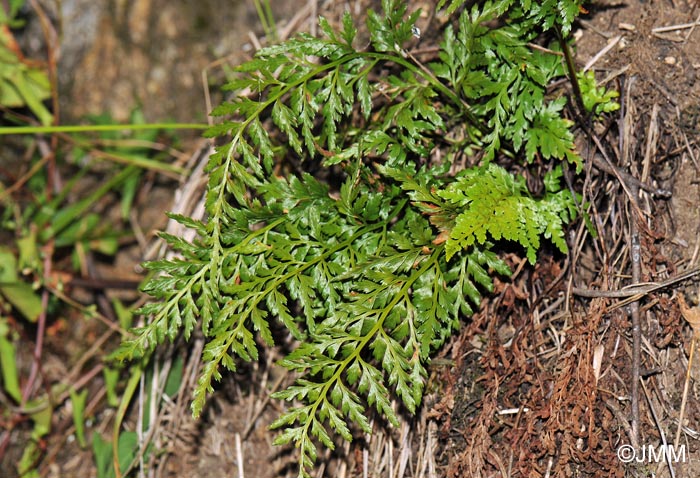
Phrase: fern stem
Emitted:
{"points": [[376, 328], [569, 60], [427, 75], [263, 105], [284, 278]]}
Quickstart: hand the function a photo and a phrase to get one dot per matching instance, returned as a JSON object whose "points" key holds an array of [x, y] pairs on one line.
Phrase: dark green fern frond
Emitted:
{"points": [[372, 262]]}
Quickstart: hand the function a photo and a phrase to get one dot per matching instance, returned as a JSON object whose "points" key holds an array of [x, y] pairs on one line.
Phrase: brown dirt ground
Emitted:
{"points": [[538, 383]]}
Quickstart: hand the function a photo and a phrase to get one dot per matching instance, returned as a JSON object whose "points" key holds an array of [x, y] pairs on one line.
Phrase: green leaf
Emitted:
{"points": [[78, 402], [8, 362], [24, 299], [550, 135]]}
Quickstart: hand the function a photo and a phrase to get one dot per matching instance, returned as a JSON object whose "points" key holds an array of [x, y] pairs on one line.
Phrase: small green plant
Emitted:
{"points": [[22, 82], [37, 219], [371, 270], [596, 99]]}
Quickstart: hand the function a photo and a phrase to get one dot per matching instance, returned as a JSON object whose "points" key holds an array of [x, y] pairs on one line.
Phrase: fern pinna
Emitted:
{"points": [[373, 274]]}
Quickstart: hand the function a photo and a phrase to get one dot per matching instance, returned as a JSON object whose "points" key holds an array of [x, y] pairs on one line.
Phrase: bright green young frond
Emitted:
{"points": [[495, 205], [596, 99]]}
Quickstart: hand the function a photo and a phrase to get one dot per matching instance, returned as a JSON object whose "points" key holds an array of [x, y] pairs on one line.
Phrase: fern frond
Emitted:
{"points": [[373, 273], [494, 204]]}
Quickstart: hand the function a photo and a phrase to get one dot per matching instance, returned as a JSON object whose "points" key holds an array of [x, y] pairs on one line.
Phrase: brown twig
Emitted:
{"points": [[609, 46], [635, 253], [40, 331], [603, 162], [636, 256], [636, 292]]}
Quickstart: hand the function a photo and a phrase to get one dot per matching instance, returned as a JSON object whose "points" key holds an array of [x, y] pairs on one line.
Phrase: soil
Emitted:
{"points": [[537, 384]]}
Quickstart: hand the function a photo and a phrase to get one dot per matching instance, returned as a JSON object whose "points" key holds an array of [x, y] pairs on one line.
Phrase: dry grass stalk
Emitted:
{"points": [[692, 316]]}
